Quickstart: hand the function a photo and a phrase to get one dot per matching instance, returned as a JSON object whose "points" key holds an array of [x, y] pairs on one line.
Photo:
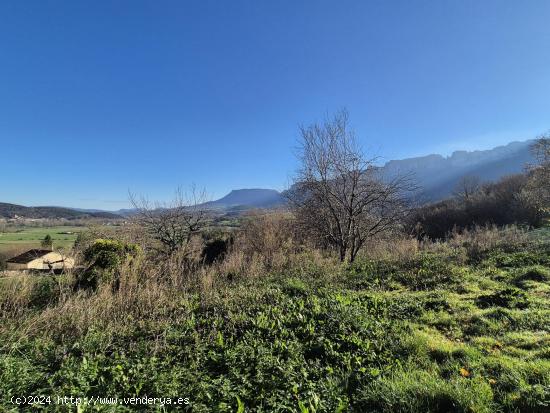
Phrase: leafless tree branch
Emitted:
{"points": [[339, 194], [172, 224]]}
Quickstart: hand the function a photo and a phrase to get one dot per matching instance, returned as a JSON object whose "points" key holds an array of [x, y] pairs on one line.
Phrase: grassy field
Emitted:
{"points": [[30, 237], [461, 326]]}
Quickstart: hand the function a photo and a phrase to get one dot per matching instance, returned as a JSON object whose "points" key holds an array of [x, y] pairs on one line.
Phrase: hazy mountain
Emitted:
{"points": [[251, 198], [125, 212], [438, 175], [92, 210], [12, 211]]}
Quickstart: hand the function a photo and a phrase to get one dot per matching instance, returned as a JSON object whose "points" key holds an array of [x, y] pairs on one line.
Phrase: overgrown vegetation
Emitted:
{"points": [[410, 326], [328, 307]]}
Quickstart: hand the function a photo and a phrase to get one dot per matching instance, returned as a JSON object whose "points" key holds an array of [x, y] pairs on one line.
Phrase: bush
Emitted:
{"points": [[45, 291], [270, 238], [104, 257], [216, 249]]}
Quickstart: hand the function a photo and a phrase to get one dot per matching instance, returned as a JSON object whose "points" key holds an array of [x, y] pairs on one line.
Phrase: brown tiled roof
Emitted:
{"points": [[28, 256]]}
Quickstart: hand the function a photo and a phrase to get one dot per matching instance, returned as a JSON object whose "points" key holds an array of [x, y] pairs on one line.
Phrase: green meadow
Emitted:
{"points": [[30, 237]]}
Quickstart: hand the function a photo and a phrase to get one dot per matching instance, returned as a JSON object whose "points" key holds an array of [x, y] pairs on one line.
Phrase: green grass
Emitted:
{"points": [[427, 334], [30, 237]]}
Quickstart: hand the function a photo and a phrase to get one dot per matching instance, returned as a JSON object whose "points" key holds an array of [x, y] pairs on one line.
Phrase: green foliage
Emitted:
{"points": [[420, 391], [536, 273], [104, 257], [510, 298], [108, 254], [423, 272], [520, 259], [425, 334], [426, 272], [45, 291], [47, 242]]}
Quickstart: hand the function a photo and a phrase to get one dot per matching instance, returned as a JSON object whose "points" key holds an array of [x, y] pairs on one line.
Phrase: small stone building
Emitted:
{"points": [[39, 259]]}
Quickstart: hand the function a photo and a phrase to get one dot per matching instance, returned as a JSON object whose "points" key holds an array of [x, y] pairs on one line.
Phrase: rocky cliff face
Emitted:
{"points": [[437, 175]]}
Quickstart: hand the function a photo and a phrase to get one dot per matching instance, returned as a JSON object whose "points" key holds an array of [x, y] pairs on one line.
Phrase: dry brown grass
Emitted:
{"points": [[478, 241], [147, 304], [16, 294], [269, 238], [397, 247]]}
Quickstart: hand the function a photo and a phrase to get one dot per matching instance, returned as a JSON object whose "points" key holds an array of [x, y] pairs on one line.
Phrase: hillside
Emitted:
{"points": [[12, 211], [437, 175]]}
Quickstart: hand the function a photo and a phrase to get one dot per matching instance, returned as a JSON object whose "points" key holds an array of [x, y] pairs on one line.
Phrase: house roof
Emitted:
{"points": [[28, 256]]}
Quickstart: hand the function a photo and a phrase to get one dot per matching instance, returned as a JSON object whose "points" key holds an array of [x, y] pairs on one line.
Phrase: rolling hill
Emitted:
{"points": [[12, 211]]}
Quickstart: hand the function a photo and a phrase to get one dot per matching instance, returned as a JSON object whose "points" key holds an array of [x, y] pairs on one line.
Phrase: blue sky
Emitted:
{"points": [[101, 97]]}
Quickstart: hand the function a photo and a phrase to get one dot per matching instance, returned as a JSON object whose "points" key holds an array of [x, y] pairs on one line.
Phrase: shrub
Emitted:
{"points": [[104, 257], [268, 237], [216, 249], [107, 254], [45, 291]]}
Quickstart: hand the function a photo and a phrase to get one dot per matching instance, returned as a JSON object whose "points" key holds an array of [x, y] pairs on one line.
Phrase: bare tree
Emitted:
{"points": [[541, 150], [172, 224], [539, 174], [466, 187], [339, 194]]}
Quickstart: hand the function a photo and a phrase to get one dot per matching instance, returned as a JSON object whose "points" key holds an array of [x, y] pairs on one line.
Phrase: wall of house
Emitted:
{"points": [[55, 256], [10, 266], [41, 263], [38, 264]]}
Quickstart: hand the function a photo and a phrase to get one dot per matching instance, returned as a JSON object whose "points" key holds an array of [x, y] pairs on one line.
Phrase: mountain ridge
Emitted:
{"points": [[252, 197], [436, 175]]}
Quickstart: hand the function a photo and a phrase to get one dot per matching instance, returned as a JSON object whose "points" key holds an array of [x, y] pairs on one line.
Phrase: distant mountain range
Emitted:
{"points": [[436, 175], [252, 198], [50, 212]]}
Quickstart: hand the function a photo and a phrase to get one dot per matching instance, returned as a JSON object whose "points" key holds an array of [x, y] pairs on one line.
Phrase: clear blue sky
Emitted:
{"points": [[101, 97]]}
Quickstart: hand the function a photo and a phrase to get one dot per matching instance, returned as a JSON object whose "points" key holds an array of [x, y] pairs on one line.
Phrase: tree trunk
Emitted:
{"points": [[342, 253]]}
